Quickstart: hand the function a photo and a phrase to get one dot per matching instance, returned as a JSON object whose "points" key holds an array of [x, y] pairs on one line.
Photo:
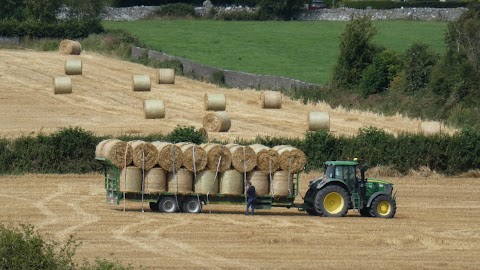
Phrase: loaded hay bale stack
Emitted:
{"points": [[154, 109], [430, 128], [231, 183], [131, 179], [70, 47], [155, 180], [291, 159], [145, 154], [141, 83], [99, 147], [268, 160], [282, 184], [206, 183], [62, 85], [214, 102], [271, 100], [166, 76], [219, 157], [217, 122], [318, 121], [244, 158], [73, 67], [194, 157], [169, 157], [261, 182], [118, 152], [180, 181]]}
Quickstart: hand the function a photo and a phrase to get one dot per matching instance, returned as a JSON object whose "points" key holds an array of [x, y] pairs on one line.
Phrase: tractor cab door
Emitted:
{"points": [[347, 174]]}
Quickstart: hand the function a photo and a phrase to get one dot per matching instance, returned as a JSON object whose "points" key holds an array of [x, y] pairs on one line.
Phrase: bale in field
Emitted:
{"points": [[219, 157], [169, 156], [180, 181], [154, 109], [145, 154], [62, 85], [155, 180], [244, 158], [70, 47], [118, 152], [214, 102], [282, 184], [268, 160], [166, 76], [73, 67], [291, 159], [141, 83], [217, 122], [205, 183], [271, 100], [231, 182], [430, 128], [131, 179], [260, 181], [318, 121], [194, 157]]}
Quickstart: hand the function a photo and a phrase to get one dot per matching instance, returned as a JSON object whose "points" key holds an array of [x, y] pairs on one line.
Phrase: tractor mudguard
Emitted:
{"points": [[321, 184], [376, 194]]}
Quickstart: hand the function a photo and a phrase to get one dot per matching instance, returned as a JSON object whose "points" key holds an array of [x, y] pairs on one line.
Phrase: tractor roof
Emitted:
{"points": [[341, 162]]}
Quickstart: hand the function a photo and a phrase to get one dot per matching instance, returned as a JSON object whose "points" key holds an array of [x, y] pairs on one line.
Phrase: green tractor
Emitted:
{"points": [[339, 190]]}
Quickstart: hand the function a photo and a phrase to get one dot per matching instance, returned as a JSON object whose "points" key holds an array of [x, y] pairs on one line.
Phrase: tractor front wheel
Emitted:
{"points": [[383, 206], [332, 201]]}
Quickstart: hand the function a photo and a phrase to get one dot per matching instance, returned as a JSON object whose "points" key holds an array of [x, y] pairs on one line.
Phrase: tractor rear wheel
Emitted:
{"points": [[168, 204], [192, 205], [383, 206], [332, 201], [311, 212]]}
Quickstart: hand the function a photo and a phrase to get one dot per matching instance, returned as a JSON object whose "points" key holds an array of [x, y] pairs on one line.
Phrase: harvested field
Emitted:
{"points": [[436, 227]]}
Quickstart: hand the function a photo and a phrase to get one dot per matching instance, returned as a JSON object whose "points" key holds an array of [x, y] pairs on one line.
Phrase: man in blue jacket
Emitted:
{"points": [[251, 199]]}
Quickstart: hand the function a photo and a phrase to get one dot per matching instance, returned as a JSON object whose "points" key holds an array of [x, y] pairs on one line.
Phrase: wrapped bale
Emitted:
{"points": [[205, 183], [168, 155], [180, 182], [118, 152], [430, 128], [215, 102], [70, 47], [145, 154], [282, 184], [244, 158], [62, 85], [73, 67], [217, 122], [260, 180], [166, 76], [271, 100], [131, 179], [218, 157], [268, 160], [231, 182], [155, 180], [291, 159], [318, 121], [194, 157], [141, 83], [154, 109]]}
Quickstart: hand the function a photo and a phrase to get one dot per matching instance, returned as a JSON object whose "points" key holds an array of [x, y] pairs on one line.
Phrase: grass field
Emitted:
{"points": [[302, 50]]}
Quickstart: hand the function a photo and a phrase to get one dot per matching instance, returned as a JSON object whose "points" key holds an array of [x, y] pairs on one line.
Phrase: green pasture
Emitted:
{"points": [[302, 50]]}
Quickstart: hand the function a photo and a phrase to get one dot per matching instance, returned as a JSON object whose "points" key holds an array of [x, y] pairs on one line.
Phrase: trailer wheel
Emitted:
{"points": [[332, 201], [383, 206], [168, 205], [192, 205]]}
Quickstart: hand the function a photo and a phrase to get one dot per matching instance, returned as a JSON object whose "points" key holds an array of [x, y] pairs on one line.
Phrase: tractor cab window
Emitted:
{"points": [[329, 171], [346, 173]]}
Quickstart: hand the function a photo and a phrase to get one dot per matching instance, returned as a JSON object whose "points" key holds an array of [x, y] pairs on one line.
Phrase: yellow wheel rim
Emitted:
{"points": [[333, 202], [384, 208]]}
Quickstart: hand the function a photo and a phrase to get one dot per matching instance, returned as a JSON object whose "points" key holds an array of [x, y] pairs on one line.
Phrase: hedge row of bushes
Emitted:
{"points": [[396, 4], [60, 29], [72, 150], [131, 3]]}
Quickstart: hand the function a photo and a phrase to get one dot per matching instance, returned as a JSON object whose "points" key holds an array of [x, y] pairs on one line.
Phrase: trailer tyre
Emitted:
{"points": [[383, 206], [168, 205], [192, 205], [332, 201]]}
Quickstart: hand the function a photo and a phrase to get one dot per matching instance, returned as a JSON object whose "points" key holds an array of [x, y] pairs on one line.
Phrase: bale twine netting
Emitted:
{"points": [[141, 83], [318, 121], [430, 128], [169, 156], [231, 182], [217, 122], [260, 180], [166, 76], [205, 182], [282, 185], [244, 158], [118, 152], [291, 159], [180, 182], [70, 47], [154, 109], [219, 157], [155, 180], [214, 102], [268, 160], [271, 100], [131, 179], [73, 67], [62, 85], [145, 154], [194, 157]]}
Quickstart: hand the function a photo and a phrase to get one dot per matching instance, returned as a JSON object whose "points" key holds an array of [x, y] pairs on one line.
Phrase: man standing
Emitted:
{"points": [[251, 200]]}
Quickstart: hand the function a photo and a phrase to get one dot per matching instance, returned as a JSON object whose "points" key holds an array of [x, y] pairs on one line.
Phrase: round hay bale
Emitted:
{"points": [[62, 85], [430, 128], [231, 182], [268, 160], [218, 157], [281, 184], [271, 100], [205, 183], [133, 180], [244, 158], [98, 149], [73, 67], [145, 154], [194, 157], [217, 122], [259, 179], [141, 83], [70, 47], [182, 183], [318, 121], [166, 76], [118, 152], [155, 180], [168, 155], [215, 102], [154, 109], [291, 158]]}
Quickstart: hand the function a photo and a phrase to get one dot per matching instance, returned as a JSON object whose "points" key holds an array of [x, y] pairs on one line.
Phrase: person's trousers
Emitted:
{"points": [[250, 204]]}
